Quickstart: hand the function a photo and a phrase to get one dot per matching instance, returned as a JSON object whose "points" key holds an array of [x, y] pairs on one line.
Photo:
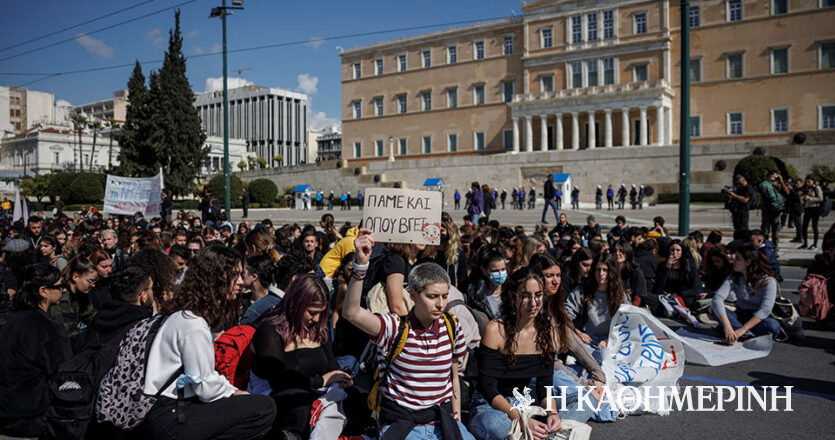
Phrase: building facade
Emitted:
{"points": [[330, 145], [52, 148], [237, 153], [577, 75], [272, 121], [114, 109], [21, 109]]}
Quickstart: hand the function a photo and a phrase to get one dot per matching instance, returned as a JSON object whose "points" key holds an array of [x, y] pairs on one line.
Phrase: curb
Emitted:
{"points": [[796, 262]]}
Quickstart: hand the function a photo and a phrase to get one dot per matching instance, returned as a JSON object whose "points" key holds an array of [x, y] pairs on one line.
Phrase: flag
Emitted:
{"points": [[20, 210]]}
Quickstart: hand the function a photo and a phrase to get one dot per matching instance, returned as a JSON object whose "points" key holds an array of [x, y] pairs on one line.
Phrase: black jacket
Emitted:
{"points": [[111, 320], [549, 190], [648, 263]]}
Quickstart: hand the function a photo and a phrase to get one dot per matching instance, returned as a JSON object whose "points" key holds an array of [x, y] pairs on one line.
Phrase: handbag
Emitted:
{"points": [[784, 310]]}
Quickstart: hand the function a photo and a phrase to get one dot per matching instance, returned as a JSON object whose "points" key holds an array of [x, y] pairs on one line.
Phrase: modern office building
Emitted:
{"points": [[107, 109], [272, 121]]}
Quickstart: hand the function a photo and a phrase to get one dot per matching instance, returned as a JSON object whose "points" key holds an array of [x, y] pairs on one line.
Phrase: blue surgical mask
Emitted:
{"points": [[499, 277]]}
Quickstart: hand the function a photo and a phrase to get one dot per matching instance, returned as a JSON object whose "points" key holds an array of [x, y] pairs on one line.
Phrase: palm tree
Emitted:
{"points": [[95, 125], [78, 121], [113, 126]]}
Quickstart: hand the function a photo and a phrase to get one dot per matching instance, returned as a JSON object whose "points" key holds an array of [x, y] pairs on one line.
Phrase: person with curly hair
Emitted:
{"points": [[162, 271], [212, 408], [592, 304]]}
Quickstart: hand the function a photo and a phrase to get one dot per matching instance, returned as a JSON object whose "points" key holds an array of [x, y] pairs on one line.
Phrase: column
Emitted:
{"points": [[668, 113], [575, 131], [607, 135], [659, 125], [592, 136], [558, 131], [624, 127], [528, 133], [515, 135], [643, 134], [543, 133]]}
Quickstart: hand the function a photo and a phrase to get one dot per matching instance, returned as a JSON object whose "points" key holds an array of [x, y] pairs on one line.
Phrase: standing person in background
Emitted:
{"points": [[532, 198], [457, 198], [165, 206], [476, 202], [550, 199], [558, 196], [360, 198], [774, 191], [575, 198], [610, 197], [812, 198], [738, 199], [794, 204], [641, 197], [245, 202], [59, 206], [633, 197], [330, 201], [598, 198], [521, 198], [348, 200], [489, 203], [503, 197], [621, 196]]}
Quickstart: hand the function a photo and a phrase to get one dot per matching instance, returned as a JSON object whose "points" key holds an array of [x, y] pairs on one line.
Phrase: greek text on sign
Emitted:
{"points": [[129, 195], [403, 215]]}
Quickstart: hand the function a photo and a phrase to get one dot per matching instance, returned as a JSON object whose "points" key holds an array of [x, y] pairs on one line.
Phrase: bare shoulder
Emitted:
{"points": [[494, 335]]}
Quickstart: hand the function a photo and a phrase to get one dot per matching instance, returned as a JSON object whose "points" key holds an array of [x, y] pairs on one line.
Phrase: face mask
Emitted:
{"points": [[499, 277]]}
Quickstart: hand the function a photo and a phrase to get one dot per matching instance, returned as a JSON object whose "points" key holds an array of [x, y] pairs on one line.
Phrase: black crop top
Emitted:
{"points": [[497, 377]]}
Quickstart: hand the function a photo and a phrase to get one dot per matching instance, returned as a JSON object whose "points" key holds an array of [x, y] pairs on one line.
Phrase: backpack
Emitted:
{"points": [[233, 358], [825, 206], [479, 317], [814, 301], [375, 396], [754, 198], [74, 387], [122, 400]]}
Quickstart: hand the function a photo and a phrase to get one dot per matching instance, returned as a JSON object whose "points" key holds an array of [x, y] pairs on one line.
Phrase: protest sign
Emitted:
{"points": [[129, 195], [403, 215], [642, 352], [712, 351]]}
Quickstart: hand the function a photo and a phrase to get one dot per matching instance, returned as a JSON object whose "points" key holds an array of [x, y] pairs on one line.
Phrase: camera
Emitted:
{"points": [[728, 189]]}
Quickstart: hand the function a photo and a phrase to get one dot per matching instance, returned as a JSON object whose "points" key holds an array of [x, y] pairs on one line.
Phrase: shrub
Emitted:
{"points": [[235, 189], [87, 188], [59, 184], [263, 191]]}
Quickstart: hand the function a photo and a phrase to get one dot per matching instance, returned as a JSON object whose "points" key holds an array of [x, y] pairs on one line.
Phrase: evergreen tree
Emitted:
{"points": [[129, 137]]}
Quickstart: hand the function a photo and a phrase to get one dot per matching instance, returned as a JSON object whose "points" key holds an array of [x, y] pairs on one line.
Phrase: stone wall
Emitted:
{"points": [[651, 166]]}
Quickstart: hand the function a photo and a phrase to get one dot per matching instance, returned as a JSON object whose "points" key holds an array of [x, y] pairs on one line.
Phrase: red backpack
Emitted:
{"points": [[814, 301], [233, 358]]}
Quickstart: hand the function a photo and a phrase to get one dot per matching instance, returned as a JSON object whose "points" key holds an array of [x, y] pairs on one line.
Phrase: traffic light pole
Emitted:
{"points": [[684, 125], [227, 205]]}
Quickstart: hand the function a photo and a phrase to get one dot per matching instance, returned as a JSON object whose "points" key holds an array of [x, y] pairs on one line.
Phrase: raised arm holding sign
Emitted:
{"points": [[403, 215]]}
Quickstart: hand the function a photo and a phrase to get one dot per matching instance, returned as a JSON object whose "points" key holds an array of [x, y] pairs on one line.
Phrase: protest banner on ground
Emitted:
{"points": [[129, 195], [403, 215], [713, 351]]}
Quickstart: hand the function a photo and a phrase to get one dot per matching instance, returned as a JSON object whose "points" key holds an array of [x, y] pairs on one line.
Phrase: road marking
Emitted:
{"points": [[734, 383]]}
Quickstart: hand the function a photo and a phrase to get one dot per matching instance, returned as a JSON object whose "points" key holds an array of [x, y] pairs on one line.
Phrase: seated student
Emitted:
{"points": [[293, 353], [213, 408], [518, 346], [634, 283], [427, 407], [755, 289], [592, 304], [679, 275], [485, 286], [767, 248], [32, 346], [131, 290], [579, 268], [258, 277], [75, 310], [717, 268]]}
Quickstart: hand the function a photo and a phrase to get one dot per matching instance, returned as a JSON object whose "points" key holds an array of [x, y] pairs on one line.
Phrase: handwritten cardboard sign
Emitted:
{"points": [[129, 195], [403, 215]]}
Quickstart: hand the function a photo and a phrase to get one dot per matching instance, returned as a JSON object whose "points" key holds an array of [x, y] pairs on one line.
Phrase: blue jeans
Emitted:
{"points": [[579, 414], [475, 218], [487, 423], [552, 204], [767, 326], [432, 432]]}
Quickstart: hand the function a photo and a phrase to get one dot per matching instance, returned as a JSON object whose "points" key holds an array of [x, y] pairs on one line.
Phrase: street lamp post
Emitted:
{"points": [[222, 11]]}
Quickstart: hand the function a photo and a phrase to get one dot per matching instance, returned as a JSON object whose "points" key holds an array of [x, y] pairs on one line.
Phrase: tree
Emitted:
{"points": [[78, 121], [37, 186], [823, 174], [94, 125], [278, 158], [114, 128], [131, 141], [242, 165]]}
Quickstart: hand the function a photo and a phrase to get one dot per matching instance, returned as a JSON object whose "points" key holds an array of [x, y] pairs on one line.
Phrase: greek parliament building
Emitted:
{"points": [[594, 74], [272, 121]]}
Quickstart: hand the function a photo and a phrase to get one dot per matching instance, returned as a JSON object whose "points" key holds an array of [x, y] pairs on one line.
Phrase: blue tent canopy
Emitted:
{"points": [[434, 181], [561, 177], [302, 188]]}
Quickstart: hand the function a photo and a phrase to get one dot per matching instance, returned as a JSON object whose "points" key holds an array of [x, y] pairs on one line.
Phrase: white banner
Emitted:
{"points": [[712, 351], [129, 195], [642, 352]]}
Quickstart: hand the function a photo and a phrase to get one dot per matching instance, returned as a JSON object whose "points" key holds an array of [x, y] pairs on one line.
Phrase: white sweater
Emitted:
{"points": [[185, 340]]}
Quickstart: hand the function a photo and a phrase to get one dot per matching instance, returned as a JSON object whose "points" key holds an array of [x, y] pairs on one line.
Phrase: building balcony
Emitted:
{"points": [[594, 90]]}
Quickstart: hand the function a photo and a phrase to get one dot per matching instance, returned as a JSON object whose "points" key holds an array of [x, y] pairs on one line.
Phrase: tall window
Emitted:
{"points": [[608, 24], [401, 145], [779, 7], [507, 139], [357, 149], [827, 117], [401, 103], [479, 140], [507, 91], [401, 62], [452, 98], [780, 61], [546, 83], [378, 148], [735, 66], [427, 58], [577, 29], [378, 66], [546, 37], [577, 74], [427, 101], [591, 23], [357, 109], [479, 50], [427, 144], [591, 68], [478, 95], [357, 70], [56, 158], [378, 107], [451, 54], [827, 55], [780, 120], [507, 47], [641, 73], [608, 70], [452, 142], [695, 70], [695, 126], [694, 18], [640, 21], [734, 10], [735, 123]]}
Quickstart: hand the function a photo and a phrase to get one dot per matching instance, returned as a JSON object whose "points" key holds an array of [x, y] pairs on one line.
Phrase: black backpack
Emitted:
{"points": [[74, 388], [754, 198]]}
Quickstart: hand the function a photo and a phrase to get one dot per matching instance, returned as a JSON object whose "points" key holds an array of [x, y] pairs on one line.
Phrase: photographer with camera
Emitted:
{"points": [[774, 191], [739, 195]]}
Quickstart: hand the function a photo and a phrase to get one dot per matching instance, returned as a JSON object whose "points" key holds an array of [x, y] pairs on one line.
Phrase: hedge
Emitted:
{"points": [[755, 168], [87, 188], [263, 191], [235, 189], [697, 197], [59, 184]]}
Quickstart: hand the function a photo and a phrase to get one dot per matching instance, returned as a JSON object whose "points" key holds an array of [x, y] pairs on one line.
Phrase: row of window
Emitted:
{"points": [[426, 145], [778, 60], [733, 10], [426, 60], [425, 100], [779, 121]]}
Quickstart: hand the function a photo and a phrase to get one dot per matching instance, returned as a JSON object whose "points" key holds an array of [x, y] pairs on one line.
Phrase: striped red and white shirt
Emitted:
{"points": [[420, 375]]}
